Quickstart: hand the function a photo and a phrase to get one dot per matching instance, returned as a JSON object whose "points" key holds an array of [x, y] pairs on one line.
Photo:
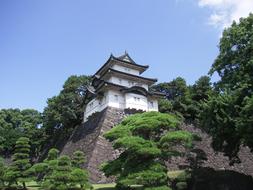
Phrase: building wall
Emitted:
{"points": [[126, 69], [116, 99], [127, 83], [153, 105], [95, 105], [136, 101]]}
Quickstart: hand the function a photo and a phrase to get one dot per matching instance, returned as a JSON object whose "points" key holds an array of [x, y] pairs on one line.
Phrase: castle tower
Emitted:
{"points": [[116, 87], [119, 84]]}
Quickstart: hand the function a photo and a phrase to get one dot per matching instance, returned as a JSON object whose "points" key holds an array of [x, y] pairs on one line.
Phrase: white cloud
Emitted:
{"points": [[225, 11]]}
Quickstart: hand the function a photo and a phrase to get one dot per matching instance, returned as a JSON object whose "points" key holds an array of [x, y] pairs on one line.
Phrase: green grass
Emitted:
{"points": [[34, 186], [104, 186], [171, 174], [175, 174]]}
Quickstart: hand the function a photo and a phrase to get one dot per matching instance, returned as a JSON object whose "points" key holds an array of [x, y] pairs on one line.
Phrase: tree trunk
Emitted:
{"points": [[24, 186]]}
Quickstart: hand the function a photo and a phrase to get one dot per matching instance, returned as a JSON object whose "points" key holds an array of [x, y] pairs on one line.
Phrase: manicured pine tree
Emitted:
{"points": [[60, 179], [146, 140], [79, 176], [18, 171], [78, 159], [44, 169]]}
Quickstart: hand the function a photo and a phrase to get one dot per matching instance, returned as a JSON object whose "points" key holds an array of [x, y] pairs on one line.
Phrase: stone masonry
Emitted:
{"points": [[88, 138]]}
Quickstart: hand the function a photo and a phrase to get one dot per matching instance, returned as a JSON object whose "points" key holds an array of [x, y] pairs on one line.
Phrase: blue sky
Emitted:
{"points": [[42, 43]]}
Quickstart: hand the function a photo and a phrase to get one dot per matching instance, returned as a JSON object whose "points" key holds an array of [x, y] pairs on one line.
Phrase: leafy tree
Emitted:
{"points": [[65, 111], [230, 113], [18, 171], [219, 111], [60, 178], [15, 123], [199, 93], [183, 99], [2, 171], [165, 106], [175, 89], [78, 159], [52, 154], [202, 89], [146, 141], [235, 60], [178, 94], [245, 121], [43, 169], [80, 177]]}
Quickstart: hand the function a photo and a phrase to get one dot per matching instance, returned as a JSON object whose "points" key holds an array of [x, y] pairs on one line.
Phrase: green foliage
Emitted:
{"points": [[60, 178], [52, 154], [15, 123], [2, 171], [177, 93], [181, 186], [158, 188], [228, 116], [65, 110], [141, 138], [80, 177], [165, 106], [45, 168], [180, 179], [182, 99], [61, 172], [235, 60], [18, 170], [78, 159], [172, 138], [245, 121]]}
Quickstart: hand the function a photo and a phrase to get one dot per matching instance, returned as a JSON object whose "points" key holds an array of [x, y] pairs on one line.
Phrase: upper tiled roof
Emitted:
{"points": [[123, 59]]}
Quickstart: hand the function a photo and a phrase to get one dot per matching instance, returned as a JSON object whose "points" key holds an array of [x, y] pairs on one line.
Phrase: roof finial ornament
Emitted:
{"points": [[125, 52]]}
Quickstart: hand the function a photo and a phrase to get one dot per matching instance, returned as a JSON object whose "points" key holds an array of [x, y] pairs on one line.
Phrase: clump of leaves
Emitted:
{"points": [[145, 140]]}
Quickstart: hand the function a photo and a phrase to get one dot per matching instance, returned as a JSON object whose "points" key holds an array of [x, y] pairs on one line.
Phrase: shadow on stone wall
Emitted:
{"points": [[210, 179]]}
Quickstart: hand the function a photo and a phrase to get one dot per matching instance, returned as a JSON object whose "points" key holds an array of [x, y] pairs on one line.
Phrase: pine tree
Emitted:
{"points": [[18, 171], [60, 179], [78, 159], [146, 140], [44, 169], [79, 176]]}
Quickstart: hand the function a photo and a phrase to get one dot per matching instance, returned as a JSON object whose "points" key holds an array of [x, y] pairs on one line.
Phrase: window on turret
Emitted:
{"points": [[136, 99], [130, 83], [120, 81], [127, 69], [151, 104], [116, 97]]}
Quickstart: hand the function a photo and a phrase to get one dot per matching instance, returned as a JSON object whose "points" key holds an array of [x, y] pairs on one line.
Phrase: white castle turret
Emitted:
{"points": [[119, 84]]}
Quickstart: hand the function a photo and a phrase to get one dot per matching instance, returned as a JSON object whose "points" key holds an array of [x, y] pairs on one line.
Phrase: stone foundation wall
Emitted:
{"points": [[88, 138], [215, 160]]}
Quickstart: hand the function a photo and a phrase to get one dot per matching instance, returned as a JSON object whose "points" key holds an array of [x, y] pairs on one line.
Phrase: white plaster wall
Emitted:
{"points": [[152, 105], [127, 83], [116, 99], [126, 69], [136, 101], [95, 105]]}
